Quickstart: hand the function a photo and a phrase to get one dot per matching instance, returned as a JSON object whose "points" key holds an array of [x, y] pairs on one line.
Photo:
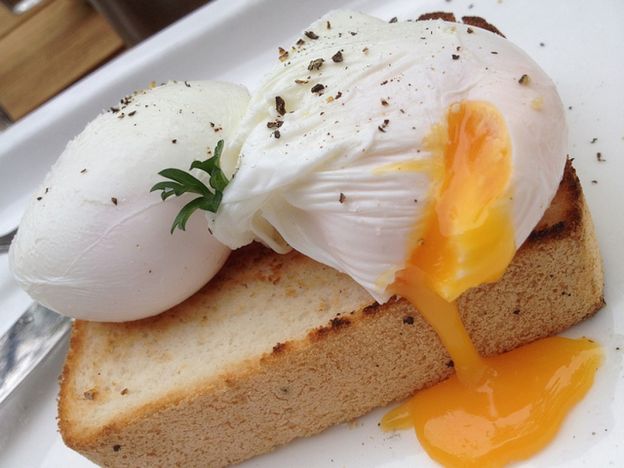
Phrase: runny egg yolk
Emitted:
{"points": [[499, 409]]}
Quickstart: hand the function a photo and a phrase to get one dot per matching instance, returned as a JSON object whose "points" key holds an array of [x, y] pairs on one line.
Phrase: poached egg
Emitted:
{"points": [[417, 158], [94, 243], [344, 150]]}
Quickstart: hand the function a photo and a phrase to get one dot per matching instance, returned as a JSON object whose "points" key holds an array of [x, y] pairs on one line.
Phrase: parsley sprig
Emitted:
{"points": [[182, 182]]}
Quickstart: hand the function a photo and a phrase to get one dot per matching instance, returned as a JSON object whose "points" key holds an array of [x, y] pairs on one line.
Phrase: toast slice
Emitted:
{"points": [[279, 346]]}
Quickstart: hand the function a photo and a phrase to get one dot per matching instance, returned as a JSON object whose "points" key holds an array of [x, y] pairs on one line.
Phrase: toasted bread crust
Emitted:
{"points": [[343, 368], [475, 21], [443, 15], [479, 22]]}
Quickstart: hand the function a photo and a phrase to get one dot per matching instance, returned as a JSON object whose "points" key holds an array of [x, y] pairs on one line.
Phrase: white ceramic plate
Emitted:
{"points": [[237, 40]]}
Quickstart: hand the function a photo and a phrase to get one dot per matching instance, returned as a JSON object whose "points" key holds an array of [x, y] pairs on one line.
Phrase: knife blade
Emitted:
{"points": [[35, 334]]}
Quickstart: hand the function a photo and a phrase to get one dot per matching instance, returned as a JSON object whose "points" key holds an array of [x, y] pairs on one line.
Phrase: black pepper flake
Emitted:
{"points": [[283, 54], [524, 79], [277, 134], [130, 114], [114, 200], [121, 116], [599, 157], [311, 35], [455, 57], [469, 30], [394, 19], [84, 171], [342, 197], [593, 140], [315, 64], [116, 448], [365, 50], [594, 181], [174, 141], [318, 88], [384, 102], [542, 44], [280, 105], [328, 25], [382, 127], [383, 83], [39, 198], [47, 190], [493, 52], [337, 57], [187, 84], [338, 95], [274, 124], [114, 110], [300, 42], [353, 33], [408, 320]]}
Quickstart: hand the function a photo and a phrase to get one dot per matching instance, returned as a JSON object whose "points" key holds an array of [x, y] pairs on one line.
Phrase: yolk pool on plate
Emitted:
{"points": [[499, 409], [504, 408]]}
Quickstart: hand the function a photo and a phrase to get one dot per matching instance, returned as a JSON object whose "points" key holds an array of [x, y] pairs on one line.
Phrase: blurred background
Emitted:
{"points": [[46, 45]]}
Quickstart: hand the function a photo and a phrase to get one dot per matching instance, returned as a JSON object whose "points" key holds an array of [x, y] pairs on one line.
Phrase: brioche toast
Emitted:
{"points": [[278, 346]]}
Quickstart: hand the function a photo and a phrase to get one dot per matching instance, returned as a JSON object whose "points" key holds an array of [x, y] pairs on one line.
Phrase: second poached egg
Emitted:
{"points": [[94, 243]]}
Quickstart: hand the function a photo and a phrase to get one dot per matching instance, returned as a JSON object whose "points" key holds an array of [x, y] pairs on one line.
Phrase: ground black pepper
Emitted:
{"points": [[318, 88], [280, 105]]}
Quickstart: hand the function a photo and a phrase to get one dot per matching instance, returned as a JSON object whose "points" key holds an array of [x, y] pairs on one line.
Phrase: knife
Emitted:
{"points": [[35, 334]]}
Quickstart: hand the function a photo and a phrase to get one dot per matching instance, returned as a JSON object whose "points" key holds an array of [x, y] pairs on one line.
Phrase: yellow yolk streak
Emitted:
{"points": [[512, 415], [499, 409], [469, 237]]}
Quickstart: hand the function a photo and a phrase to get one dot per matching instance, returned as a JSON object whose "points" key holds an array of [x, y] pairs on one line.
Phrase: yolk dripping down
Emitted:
{"points": [[498, 409]]}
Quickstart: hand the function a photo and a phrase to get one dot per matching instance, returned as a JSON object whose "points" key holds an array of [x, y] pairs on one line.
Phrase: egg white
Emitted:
{"points": [[318, 187], [94, 243]]}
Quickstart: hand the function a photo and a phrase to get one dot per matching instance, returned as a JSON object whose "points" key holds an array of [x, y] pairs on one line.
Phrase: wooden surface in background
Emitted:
{"points": [[9, 21], [48, 50]]}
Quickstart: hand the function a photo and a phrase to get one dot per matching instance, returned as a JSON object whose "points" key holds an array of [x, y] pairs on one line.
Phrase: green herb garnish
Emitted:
{"points": [[182, 182]]}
